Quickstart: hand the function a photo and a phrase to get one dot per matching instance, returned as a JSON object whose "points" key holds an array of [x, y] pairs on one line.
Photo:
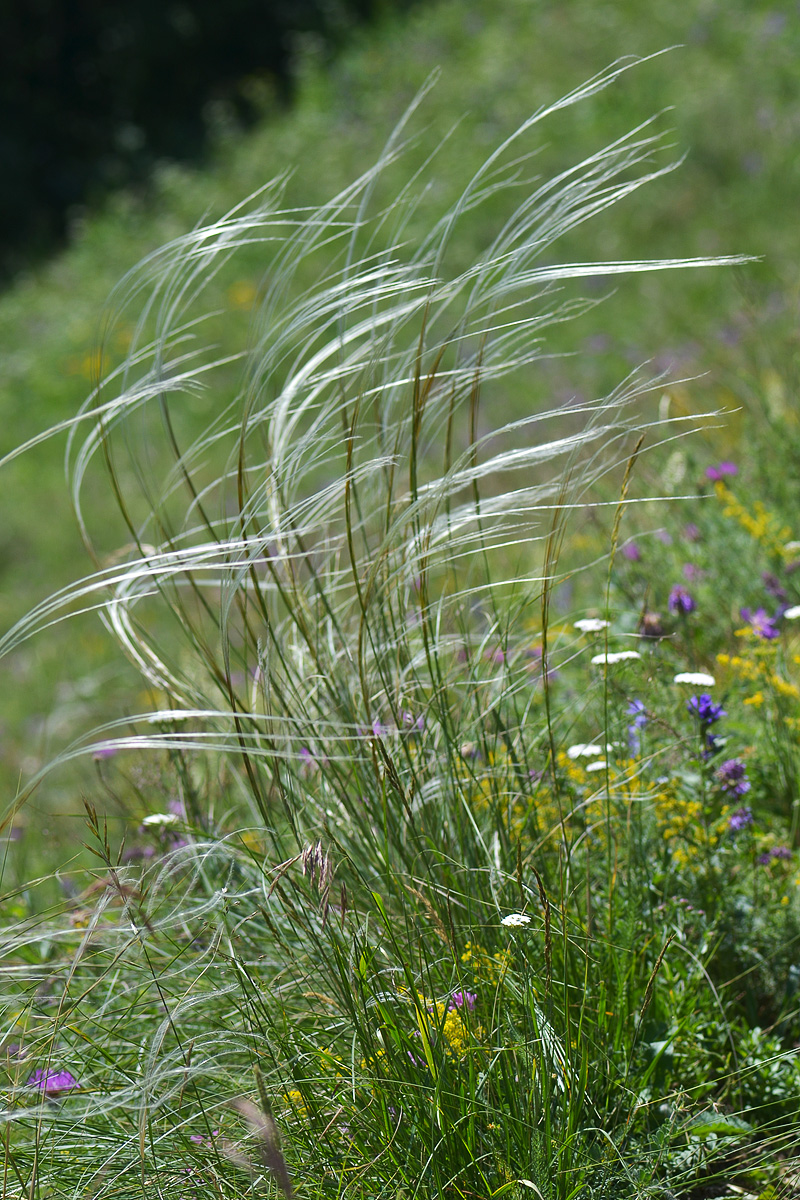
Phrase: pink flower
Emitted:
{"points": [[718, 472], [53, 1083]]}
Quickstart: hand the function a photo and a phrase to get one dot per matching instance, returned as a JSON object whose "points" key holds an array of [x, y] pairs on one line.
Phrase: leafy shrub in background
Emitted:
{"points": [[465, 892]]}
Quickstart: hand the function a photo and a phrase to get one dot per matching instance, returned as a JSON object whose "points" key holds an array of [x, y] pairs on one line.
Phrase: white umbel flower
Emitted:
{"points": [[516, 919], [615, 656], [792, 614], [591, 625], [583, 750], [161, 819], [695, 678]]}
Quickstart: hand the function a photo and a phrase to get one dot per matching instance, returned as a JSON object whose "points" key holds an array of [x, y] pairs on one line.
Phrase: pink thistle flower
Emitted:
{"points": [[720, 471], [53, 1083]]}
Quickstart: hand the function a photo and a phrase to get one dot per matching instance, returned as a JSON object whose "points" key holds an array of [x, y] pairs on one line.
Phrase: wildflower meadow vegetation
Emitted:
{"points": [[446, 844]]}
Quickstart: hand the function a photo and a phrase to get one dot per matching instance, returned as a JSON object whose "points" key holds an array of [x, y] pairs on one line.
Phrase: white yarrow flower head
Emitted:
{"points": [[584, 750], [591, 625], [615, 656], [516, 919], [695, 679], [161, 819], [600, 765], [792, 614]]}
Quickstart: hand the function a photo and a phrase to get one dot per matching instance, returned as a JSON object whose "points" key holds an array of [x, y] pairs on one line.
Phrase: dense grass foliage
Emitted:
{"points": [[441, 838]]}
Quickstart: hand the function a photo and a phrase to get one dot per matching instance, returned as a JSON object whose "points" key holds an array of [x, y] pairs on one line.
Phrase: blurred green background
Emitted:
{"points": [[727, 93]]}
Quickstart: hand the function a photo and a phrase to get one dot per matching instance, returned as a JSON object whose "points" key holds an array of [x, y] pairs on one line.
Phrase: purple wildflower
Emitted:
{"points": [[740, 819], [53, 1083], [631, 551], [705, 709], [636, 709], [692, 573], [681, 601], [720, 471], [495, 654], [692, 532], [732, 774], [782, 853], [773, 585], [760, 624], [412, 723], [463, 1000], [199, 1140], [712, 746], [103, 752]]}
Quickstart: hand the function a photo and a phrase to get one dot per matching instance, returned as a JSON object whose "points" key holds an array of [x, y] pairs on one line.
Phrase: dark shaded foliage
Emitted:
{"points": [[93, 92]]}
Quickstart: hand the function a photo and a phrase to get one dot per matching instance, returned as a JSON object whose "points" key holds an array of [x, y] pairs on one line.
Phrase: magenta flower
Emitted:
{"points": [[720, 471], [103, 752], [52, 1083], [199, 1140], [631, 551], [463, 1000]]}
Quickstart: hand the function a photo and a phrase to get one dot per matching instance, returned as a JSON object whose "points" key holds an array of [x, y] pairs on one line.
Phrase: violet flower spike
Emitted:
{"points": [[705, 709], [681, 601], [732, 775], [739, 820]]}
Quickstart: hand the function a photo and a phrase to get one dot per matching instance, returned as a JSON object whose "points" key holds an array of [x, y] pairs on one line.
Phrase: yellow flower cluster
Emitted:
{"points": [[677, 817], [682, 825], [459, 1033], [571, 769], [743, 668], [759, 667], [490, 967], [764, 527]]}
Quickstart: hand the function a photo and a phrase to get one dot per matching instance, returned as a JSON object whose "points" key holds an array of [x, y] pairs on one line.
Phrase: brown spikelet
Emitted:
{"points": [[263, 1127], [648, 991]]}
